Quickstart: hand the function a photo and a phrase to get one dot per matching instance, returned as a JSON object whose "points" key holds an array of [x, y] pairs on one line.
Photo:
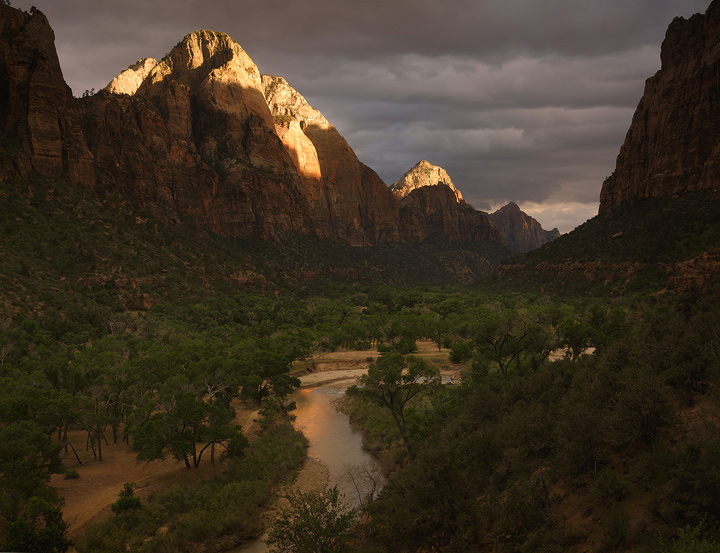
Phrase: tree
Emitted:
{"points": [[576, 335], [393, 381], [40, 528], [502, 336], [27, 459], [315, 522], [268, 371], [187, 426]]}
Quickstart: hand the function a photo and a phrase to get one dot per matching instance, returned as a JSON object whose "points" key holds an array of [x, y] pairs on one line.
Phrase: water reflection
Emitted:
{"points": [[332, 439]]}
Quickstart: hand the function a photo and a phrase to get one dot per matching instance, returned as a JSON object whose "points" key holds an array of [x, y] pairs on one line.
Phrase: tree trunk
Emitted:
{"points": [[400, 423], [99, 457]]}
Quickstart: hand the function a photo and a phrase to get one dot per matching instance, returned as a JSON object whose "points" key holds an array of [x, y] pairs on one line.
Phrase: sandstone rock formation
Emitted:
{"points": [[199, 138], [197, 142], [347, 198], [673, 145], [423, 174], [522, 232], [130, 80], [39, 126], [433, 212], [431, 208]]}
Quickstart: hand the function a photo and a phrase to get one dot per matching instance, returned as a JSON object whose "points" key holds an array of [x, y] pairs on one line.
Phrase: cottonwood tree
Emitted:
{"points": [[185, 425], [267, 370], [393, 381], [503, 336]]}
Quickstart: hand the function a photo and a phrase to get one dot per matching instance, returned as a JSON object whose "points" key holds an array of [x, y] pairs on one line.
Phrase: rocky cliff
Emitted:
{"points": [[522, 232], [431, 207], [673, 145], [347, 198], [196, 141], [39, 126]]}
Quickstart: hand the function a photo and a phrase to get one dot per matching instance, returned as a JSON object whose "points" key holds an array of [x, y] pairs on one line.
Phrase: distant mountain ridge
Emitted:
{"points": [[522, 232], [200, 137]]}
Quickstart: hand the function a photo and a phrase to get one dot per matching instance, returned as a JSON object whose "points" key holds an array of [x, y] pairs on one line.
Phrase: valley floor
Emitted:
{"points": [[88, 498]]}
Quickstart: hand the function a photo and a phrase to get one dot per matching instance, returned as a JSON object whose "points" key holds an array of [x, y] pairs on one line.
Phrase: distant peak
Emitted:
{"points": [[203, 53], [521, 231], [422, 174]]}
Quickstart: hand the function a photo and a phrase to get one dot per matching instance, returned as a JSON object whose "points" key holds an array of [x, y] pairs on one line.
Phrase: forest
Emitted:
{"points": [[579, 422]]}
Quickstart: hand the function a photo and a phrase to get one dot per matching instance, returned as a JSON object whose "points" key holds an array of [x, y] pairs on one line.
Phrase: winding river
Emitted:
{"points": [[332, 440]]}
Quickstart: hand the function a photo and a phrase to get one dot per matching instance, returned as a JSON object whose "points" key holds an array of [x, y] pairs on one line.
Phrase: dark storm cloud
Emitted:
{"points": [[524, 100]]}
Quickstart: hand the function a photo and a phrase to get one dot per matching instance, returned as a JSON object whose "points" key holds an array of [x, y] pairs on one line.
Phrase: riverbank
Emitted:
{"points": [[88, 498]]}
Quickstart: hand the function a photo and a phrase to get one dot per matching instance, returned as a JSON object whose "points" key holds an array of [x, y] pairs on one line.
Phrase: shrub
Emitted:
{"points": [[127, 500], [315, 522]]}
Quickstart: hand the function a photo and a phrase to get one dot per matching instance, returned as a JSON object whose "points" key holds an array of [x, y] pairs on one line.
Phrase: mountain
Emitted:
{"points": [[196, 142], [522, 232], [348, 199], [422, 174], [39, 125], [673, 144], [431, 208], [200, 138], [658, 225]]}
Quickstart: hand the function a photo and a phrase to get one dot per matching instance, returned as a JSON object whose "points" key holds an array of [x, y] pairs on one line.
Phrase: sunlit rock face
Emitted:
{"points": [[673, 145], [348, 199], [423, 173], [432, 208], [196, 141], [522, 232], [38, 121], [130, 80]]}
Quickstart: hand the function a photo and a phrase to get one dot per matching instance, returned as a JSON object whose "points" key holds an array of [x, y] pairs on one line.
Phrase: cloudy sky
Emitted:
{"points": [[523, 100]]}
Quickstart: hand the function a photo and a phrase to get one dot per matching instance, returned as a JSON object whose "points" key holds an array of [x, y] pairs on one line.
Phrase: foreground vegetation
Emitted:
{"points": [[216, 515], [614, 450]]}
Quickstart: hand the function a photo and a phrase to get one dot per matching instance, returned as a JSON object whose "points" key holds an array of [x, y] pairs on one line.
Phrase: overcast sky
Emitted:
{"points": [[523, 100]]}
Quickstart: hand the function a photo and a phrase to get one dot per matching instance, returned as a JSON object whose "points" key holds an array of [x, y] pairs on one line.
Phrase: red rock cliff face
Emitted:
{"points": [[522, 232], [432, 208], [199, 137], [348, 199], [197, 141], [673, 145], [433, 212], [39, 126]]}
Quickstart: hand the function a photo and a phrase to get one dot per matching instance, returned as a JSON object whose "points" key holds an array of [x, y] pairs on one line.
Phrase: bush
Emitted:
{"points": [[127, 501], [460, 352], [71, 475], [315, 522]]}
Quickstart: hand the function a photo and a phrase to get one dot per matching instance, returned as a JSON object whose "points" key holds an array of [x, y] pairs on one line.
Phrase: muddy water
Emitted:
{"points": [[332, 440]]}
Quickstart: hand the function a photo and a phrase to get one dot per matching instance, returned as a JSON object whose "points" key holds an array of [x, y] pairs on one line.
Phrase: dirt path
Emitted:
{"points": [[88, 498]]}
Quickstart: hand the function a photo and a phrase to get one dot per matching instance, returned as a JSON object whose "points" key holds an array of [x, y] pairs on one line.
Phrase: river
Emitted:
{"points": [[332, 440]]}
